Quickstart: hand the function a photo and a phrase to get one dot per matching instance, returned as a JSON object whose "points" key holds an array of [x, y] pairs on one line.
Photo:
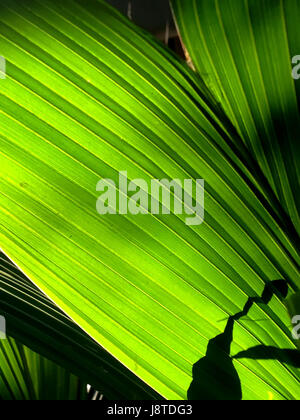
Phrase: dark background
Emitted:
{"points": [[153, 15]]}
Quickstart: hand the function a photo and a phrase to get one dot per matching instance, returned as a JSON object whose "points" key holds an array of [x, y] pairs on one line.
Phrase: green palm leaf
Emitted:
{"points": [[86, 97], [244, 50], [25, 375], [35, 321]]}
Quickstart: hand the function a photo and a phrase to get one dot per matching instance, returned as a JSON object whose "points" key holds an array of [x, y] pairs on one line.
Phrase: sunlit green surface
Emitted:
{"points": [[85, 98]]}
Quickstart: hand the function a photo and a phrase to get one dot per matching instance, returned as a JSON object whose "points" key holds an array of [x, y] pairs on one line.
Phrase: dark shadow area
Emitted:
{"points": [[277, 287], [152, 15], [287, 356], [215, 376]]}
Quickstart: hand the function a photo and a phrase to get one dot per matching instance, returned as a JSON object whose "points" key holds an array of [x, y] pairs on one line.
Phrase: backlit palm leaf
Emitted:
{"points": [[88, 95]]}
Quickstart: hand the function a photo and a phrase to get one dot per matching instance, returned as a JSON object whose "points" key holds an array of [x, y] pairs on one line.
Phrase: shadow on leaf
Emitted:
{"points": [[215, 376]]}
